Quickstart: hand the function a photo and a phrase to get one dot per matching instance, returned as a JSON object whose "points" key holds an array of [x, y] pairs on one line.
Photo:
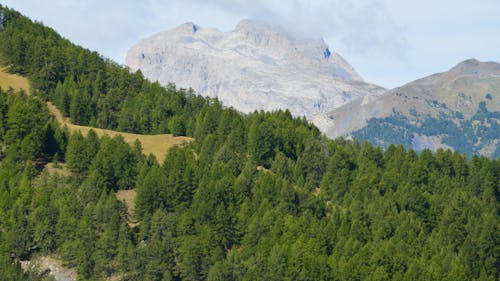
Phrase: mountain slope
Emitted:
{"points": [[455, 109], [255, 66]]}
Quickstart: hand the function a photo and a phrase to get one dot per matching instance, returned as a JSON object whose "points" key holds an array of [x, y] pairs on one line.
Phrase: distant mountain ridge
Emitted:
{"points": [[255, 66], [458, 109]]}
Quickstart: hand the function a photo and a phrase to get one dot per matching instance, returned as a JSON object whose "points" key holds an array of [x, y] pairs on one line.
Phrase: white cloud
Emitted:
{"points": [[360, 26]]}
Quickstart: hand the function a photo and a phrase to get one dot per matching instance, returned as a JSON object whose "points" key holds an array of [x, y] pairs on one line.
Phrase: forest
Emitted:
{"points": [[467, 136], [260, 196]]}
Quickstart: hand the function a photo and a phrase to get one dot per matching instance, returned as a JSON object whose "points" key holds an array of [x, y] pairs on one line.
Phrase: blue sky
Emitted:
{"points": [[389, 42]]}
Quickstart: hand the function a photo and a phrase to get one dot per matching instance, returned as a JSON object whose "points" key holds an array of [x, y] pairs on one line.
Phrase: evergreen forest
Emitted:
{"points": [[467, 136]]}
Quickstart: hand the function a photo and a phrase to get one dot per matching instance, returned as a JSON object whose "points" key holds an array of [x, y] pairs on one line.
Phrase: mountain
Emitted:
{"points": [[457, 109], [255, 66]]}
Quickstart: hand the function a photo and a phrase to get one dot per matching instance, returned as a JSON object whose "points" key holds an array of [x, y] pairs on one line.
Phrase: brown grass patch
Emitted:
{"points": [[128, 198], [158, 145], [60, 169], [13, 81]]}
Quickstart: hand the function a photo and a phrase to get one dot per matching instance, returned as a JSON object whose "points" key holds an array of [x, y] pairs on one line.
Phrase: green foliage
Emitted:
{"points": [[465, 136], [260, 142]]}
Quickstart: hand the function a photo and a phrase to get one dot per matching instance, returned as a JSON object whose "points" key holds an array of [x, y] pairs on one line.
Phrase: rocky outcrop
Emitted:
{"points": [[52, 267]]}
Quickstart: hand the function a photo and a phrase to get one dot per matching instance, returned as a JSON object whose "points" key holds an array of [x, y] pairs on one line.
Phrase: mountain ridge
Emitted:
{"points": [[463, 99], [372, 106]]}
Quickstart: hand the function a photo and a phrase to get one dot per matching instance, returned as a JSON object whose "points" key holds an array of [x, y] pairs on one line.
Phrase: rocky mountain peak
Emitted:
{"points": [[283, 45], [255, 66], [187, 28], [262, 35]]}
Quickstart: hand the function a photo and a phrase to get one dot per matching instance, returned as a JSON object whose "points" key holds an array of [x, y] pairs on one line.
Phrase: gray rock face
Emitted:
{"points": [[255, 66]]}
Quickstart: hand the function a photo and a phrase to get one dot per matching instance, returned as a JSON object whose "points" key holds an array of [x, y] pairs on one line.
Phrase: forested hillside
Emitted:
{"points": [[262, 196], [479, 134], [457, 109]]}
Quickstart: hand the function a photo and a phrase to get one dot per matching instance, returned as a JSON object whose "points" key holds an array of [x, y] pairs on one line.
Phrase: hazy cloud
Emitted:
{"points": [[359, 26]]}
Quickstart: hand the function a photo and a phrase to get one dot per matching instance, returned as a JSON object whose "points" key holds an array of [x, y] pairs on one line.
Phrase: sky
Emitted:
{"points": [[388, 42]]}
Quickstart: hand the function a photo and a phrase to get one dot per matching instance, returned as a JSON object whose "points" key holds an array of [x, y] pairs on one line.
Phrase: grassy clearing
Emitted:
{"points": [[60, 169], [13, 81], [158, 145], [128, 198]]}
